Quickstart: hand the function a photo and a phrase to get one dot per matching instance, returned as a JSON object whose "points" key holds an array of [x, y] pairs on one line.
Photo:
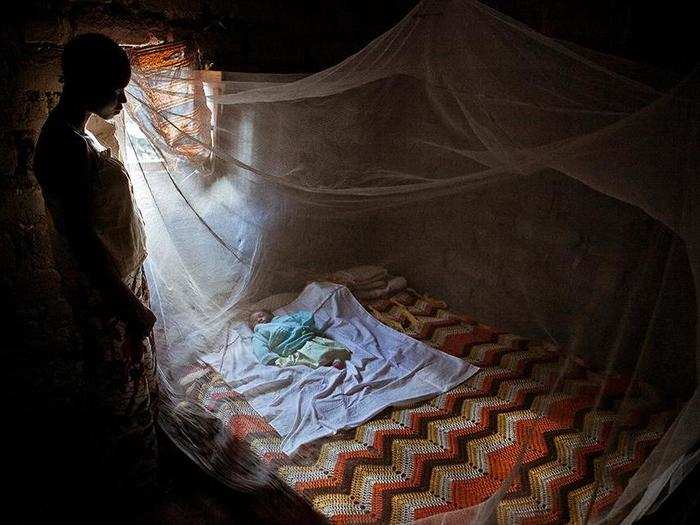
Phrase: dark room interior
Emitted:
{"points": [[305, 261]]}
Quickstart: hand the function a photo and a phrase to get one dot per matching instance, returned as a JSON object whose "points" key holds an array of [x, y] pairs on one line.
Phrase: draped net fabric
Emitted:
{"points": [[543, 189]]}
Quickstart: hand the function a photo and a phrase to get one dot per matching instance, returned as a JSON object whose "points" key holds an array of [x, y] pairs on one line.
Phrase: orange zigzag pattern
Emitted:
{"points": [[530, 407]]}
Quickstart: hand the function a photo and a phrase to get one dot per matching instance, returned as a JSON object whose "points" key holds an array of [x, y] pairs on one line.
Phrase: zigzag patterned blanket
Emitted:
{"points": [[456, 450]]}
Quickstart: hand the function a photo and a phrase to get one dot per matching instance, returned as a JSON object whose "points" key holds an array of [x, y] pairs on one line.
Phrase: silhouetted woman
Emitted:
{"points": [[89, 198]]}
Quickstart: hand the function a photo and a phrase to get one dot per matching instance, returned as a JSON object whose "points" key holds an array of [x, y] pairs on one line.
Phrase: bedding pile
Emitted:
{"points": [[368, 282]]}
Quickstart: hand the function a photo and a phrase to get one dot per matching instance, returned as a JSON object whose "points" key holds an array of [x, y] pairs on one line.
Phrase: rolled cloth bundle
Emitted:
{"points": [[358, 277], [391, 286], [367, 281]]}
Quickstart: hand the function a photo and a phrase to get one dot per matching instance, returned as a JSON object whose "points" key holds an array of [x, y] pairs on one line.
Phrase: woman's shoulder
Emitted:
{"points": [[57, 134], [60, 147]]}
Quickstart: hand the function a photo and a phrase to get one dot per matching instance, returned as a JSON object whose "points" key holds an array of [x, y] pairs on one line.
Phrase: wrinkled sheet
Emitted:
{"points": [[386, 368]]}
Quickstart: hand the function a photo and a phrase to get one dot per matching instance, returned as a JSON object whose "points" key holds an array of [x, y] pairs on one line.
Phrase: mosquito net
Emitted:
{"points": [[540, 189]]}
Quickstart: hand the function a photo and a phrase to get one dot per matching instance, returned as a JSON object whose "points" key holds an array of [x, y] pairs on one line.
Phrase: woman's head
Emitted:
{"points": [[258, 317], [95, 72]]}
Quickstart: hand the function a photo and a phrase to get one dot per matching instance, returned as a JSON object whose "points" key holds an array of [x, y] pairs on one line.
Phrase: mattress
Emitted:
{"points": [[456, 450]]}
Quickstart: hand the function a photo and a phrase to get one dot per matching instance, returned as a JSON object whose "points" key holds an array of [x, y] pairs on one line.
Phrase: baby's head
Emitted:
{"points": [[259, 316]]}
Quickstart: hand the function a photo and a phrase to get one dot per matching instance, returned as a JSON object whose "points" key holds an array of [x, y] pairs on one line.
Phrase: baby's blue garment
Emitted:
{"points": [[282, 336]]}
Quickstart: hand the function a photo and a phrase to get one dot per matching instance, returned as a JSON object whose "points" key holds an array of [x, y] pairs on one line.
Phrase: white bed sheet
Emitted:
{"points": [[387, 368]]}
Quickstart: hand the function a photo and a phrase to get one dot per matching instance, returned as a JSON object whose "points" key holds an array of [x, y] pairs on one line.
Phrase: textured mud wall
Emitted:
{"points": [[547, 257]]}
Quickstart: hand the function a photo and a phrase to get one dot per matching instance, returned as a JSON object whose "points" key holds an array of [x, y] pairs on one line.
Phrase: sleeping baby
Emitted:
{"points": [[293, 339]]}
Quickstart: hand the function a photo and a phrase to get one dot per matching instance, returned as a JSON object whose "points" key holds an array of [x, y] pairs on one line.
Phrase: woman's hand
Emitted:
{"points": [[140, 321]]}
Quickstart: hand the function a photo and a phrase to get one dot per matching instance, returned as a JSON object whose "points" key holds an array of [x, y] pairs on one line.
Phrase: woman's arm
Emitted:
{"points": [[72, 172]]}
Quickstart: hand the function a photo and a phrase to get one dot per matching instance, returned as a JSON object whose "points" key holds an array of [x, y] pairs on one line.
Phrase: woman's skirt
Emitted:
{"points": [[123, 392]]}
